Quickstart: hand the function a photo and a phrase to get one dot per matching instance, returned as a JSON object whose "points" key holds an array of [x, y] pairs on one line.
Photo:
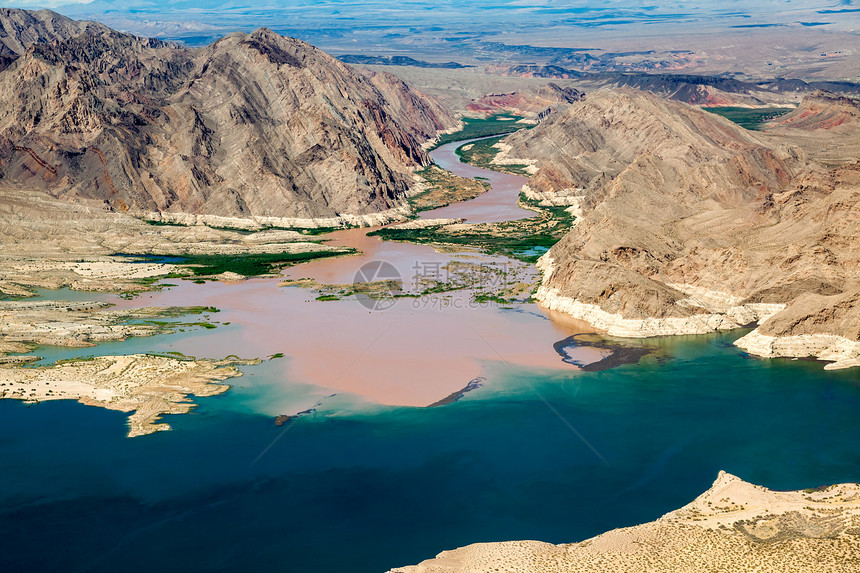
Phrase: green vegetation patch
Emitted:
{"points": [[525, 240], [155, 223], [172, 354], [241, 231], [248, 265], [151, 281], [60, 362], [482, 297], [500, 123], [327, 297], [444, 188], [749, 118], [166, 325], [481, 154], [176, 311]]}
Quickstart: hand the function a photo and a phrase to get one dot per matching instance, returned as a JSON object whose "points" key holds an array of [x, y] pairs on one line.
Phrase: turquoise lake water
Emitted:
{"points": [[363, 488]]}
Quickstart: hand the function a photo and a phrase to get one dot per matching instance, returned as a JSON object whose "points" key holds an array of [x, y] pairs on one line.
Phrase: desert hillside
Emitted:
{"points": [[255, 125], [689, 223]]}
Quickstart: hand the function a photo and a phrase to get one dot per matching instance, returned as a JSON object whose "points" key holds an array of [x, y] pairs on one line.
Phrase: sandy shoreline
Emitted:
{"points": [[149, 386], [734, 526]]}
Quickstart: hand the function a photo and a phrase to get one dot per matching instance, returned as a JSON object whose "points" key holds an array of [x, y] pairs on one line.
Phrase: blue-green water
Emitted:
{"points": [[364, 489]]}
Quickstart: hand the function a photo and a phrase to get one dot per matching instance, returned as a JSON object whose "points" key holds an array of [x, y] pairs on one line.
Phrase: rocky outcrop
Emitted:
{"points": [[824, 327], [531, 103], [839, 351], [710, 316], [689, 224], [734, 526], [645, 138], [822, 110], [255, 125], [825, 125], [20, 29]]}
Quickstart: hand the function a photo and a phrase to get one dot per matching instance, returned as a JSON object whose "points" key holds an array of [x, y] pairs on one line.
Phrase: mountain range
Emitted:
{"points": [[254, 125]]}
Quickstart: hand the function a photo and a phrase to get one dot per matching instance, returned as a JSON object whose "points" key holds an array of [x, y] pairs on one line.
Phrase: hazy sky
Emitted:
{"points": [[465, 5], [328, 22]]}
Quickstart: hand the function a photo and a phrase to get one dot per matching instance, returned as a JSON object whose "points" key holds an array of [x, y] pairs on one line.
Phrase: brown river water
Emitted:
{"points": [[412, 352]]}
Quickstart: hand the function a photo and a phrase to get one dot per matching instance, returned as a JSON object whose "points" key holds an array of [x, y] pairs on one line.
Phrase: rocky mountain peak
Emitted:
{"points": [[254, 125], [20, 29]]}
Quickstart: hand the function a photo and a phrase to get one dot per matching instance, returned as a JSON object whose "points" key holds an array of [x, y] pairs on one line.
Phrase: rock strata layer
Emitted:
{"points": [[689, 224], [255, 127]]}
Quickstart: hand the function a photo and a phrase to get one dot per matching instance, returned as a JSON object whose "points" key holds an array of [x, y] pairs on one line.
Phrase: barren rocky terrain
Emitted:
{"points": [[689, 223], [255, 125], [537, 101], [734, 526], [75, 324]]}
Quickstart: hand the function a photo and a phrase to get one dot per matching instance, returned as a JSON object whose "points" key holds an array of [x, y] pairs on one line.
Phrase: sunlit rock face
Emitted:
{"points": [[253, 125], [689, 223]]}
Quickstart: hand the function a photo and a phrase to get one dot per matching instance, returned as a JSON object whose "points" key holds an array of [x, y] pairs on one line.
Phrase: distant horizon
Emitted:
{"points": [[772, 39], [186, 17]]}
